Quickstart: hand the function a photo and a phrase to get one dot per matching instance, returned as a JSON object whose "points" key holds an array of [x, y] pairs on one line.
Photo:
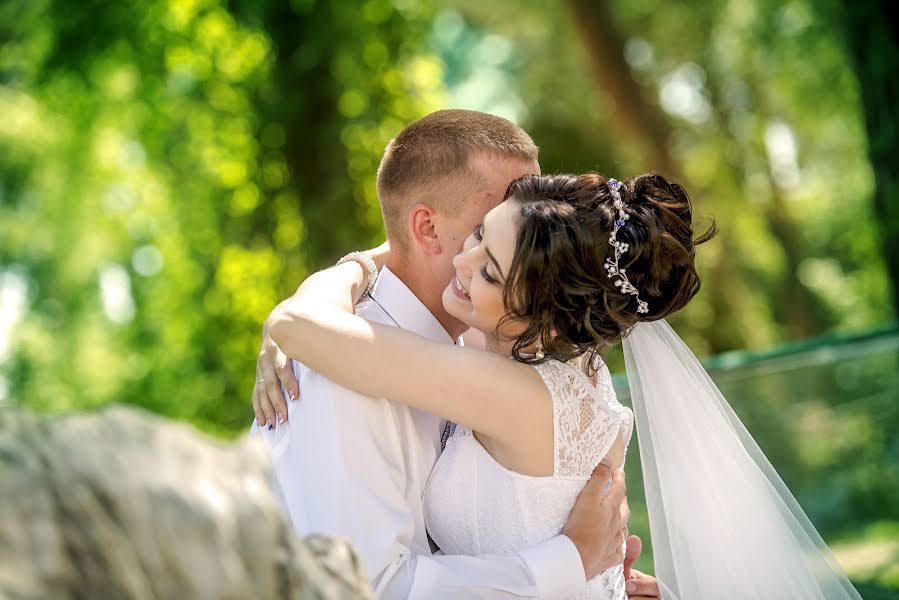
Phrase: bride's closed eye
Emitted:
{"points": [[479, 236], [486, 275]]}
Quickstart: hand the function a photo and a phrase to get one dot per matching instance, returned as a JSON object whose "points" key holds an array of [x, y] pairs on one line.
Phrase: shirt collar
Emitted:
{"points": [[406, 309]]}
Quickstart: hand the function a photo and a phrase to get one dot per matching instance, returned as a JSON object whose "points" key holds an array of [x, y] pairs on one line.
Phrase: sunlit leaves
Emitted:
{"points": [[152, 180]]}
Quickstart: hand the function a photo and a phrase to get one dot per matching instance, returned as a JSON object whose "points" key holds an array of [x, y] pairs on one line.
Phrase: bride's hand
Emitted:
{"points": [[273, 369]]}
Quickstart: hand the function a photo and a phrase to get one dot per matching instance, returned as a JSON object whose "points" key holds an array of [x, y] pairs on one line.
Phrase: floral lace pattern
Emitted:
{"points": [[585, 422]]}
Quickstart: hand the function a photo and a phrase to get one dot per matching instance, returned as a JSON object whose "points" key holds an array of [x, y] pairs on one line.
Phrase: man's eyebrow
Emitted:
{"points": [[495, 264]]}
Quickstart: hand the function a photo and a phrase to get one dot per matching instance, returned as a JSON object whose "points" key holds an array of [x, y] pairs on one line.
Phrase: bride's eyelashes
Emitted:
{"points": [[486, 275], [477, 232]]}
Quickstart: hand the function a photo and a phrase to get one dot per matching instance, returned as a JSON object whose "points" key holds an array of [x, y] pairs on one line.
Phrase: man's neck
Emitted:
{"points": [[421, 283]]}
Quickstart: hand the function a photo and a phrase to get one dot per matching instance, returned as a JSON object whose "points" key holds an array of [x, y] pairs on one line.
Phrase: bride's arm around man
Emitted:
{"points": [[356, 464]]}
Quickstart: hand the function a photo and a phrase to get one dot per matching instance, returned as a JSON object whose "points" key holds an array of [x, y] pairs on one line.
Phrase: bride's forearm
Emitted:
{"points": [[339, 286], [336, 287], [379, 360], [380, 254]]}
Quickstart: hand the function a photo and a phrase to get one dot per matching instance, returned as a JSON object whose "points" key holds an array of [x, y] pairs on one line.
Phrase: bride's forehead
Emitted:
{"points": [[503, 216], [500, 230]]}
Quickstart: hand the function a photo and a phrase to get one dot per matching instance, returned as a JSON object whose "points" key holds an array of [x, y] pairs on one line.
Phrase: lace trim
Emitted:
{"points": [[607, 390]]}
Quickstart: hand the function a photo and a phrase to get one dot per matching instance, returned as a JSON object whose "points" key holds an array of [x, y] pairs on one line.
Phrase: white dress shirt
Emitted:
{"points": [[356, 466]]}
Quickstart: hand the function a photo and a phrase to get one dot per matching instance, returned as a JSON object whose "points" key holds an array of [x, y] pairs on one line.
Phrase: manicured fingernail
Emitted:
{"points": [[270, 426], [631, 587], [280, 418], [290, 394]]}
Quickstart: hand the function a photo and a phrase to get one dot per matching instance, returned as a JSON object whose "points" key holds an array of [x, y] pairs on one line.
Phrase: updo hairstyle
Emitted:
{"points": [[557, 281]]}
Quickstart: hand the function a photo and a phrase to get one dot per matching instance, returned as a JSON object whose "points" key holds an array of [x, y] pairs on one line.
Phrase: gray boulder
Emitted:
{"points": [[125, 504]]}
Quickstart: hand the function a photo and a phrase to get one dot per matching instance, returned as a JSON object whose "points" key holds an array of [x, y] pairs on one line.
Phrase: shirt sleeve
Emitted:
{"points": [[550, 570], [340, 467]]}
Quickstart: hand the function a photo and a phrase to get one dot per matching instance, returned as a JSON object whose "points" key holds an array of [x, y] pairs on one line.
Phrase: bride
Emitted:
{"points": [[564, 268]]}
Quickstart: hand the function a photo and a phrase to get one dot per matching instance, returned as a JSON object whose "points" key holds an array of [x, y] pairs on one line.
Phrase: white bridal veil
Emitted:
{"points": [[723, 523]]}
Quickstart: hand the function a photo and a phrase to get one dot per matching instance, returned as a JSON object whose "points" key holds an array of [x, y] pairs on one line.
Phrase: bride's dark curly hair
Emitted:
{"points": [[557, 282]]}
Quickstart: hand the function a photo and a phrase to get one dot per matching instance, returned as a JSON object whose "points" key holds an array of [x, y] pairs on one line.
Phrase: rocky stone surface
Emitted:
{"points": [[124, 504]]}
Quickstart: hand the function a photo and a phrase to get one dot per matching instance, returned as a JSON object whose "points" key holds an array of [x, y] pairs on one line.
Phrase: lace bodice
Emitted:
{"points": [[473, 505]]}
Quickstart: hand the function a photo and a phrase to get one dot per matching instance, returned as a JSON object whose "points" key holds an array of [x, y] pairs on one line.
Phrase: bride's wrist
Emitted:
{"points": [[379, 254], [369, 269]]}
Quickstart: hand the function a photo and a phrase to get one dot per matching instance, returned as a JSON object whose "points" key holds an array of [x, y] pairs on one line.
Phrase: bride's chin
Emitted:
{"points": [[453, 308]]}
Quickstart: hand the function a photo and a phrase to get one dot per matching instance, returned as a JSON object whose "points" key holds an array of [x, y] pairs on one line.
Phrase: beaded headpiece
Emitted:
{"points": [[615, 273]]}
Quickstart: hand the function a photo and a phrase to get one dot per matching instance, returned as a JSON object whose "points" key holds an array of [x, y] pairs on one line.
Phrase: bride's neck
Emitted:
{"points": [[503, 347], [494, 345]]}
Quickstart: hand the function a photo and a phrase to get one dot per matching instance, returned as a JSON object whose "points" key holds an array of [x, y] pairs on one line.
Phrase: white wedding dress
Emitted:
{"points": [[473, 505]]}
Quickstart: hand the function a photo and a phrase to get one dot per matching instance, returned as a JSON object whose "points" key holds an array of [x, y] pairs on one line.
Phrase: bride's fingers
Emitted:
{"points": [[269, 388], [287, 377], [257, 410], [276, 397], [264, 379], [268, 413], [270, 399]]}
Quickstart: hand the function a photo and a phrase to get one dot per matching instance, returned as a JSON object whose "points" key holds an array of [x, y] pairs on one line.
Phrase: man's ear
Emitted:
{"points": [[422, 227]]}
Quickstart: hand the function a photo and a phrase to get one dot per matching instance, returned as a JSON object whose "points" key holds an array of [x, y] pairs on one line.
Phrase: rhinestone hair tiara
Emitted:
{"points": [[615, 273]]}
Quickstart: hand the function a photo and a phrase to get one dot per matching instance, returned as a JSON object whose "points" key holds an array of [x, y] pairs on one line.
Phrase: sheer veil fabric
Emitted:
{"points": [[723, 523]]}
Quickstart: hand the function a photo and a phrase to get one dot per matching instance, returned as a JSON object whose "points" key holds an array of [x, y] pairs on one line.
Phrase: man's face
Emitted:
{"points": [[497, 173]]}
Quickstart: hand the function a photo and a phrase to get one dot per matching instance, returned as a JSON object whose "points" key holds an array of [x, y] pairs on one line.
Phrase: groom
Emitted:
{"points": [[356, 466]]}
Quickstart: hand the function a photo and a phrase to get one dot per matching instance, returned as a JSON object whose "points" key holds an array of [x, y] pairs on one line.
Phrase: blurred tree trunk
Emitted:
{"points": [[641, 121], [797, 307], [637, 118], [871, 29], [304, 56], [793, 304]]}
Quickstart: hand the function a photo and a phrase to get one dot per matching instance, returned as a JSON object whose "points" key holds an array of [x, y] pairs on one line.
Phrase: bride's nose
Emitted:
{"points": [[461, 260]]}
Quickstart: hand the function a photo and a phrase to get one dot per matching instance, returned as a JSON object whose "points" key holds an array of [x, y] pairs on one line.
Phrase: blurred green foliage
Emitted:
{"points": [[171, 169], [162, 165]]}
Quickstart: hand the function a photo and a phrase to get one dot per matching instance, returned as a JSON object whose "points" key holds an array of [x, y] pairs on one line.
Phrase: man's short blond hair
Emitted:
{"points": [[428, 162]]}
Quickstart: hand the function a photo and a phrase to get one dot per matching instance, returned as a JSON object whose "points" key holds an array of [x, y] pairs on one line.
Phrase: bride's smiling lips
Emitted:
{"points": [[458, 290]]}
